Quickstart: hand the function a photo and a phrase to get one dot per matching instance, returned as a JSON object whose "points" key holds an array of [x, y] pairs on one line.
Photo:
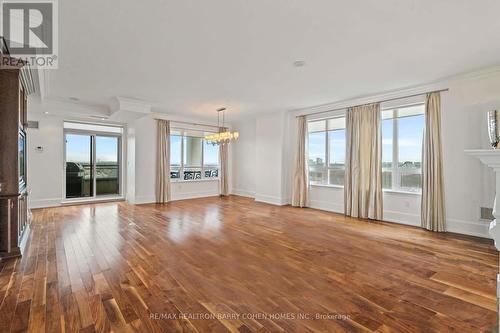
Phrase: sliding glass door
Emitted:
{"points": [[79, 166], [107, 167], [92, 164]]}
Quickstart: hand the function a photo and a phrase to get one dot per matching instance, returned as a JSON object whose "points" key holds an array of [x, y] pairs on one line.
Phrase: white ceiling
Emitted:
{"points": [[190, 57]]}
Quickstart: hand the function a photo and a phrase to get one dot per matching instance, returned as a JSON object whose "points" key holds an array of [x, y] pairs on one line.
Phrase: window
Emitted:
{"points": [[175, 156], [327, 151], [210, 160], [402, 136], [191, 158]]}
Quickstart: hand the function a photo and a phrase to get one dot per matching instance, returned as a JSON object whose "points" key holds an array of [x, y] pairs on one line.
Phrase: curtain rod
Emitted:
{"points": [[188, 123], [382, 101]]}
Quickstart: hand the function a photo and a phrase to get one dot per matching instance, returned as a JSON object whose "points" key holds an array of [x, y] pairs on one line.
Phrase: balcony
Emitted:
{"points": [[79, 180]]}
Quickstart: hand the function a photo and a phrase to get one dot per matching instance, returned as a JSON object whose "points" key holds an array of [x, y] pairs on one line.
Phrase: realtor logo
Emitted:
{"points": [[30, 30]]}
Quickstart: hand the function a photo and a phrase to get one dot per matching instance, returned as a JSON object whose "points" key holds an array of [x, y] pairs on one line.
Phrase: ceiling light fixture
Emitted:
{"points": [[224, 136]]}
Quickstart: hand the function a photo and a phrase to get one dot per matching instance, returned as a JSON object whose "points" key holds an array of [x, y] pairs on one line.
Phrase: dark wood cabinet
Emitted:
{"points": [[14, 215]]}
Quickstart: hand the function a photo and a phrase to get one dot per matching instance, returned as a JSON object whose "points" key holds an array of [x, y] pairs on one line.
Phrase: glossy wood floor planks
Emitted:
{"points": [[234, 265]]}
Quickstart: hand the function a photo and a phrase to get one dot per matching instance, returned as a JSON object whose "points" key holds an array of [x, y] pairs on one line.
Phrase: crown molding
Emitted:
{"points": [[443, 83]]}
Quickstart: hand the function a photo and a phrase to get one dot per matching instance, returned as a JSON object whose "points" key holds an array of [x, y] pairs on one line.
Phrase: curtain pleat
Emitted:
{"points": [[363, 175], [433, 208], [300, 190], [223, 158], [163, 161]]}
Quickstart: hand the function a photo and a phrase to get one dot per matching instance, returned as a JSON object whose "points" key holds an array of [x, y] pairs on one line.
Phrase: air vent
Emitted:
{"points": [[487, 214]]}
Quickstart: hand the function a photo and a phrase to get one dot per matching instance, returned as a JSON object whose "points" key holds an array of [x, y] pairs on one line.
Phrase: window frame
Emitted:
{"points": [[326, 168], [395, 174], [181, 167]]}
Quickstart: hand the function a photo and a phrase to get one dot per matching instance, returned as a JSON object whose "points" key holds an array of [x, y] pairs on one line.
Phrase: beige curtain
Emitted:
{"points": [[363, 168], [300, 190], [163, 161], [223, 159], [433, 211]]}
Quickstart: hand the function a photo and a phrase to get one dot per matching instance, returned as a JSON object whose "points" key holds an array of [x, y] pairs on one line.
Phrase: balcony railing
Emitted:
{"points": [[79, 180]]}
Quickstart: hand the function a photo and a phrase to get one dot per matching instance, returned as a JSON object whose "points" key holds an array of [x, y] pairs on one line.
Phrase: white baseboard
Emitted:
{"points": [[44, 203], [402, 218], [326, 205], [243, 193], [478, 228], [194, 195], [389, 216], [56, 202], [144, 199], [271, 199]]}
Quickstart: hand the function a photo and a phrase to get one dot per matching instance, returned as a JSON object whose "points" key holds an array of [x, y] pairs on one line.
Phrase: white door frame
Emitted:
{"points": [[93, 135]]}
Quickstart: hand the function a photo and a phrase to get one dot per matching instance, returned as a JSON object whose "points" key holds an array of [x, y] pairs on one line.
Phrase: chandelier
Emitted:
{"points": [[224, 136]]}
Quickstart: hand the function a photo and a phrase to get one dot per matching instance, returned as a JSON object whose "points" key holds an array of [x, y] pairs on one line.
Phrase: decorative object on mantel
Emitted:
{"points": [[494, 128], [224, 136]]}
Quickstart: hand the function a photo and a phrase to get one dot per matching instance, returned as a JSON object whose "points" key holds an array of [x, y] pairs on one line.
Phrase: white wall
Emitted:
{"points": [[145, 152], [45, 169], [270, 165], [259, 158], [244, 159], [468, 184]]}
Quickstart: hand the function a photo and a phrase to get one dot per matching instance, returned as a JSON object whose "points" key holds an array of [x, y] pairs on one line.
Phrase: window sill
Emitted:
{"points": [[326, 185], [401, 192], [384, 190], [194, 180]]}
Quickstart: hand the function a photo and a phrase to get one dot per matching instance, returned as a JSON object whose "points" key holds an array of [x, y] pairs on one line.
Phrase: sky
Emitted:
{"points": [[175, 150], [78, 148], [410, 137]]}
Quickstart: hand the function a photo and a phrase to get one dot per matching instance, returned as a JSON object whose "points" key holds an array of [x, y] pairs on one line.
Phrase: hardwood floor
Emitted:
{"points": [[217, 265]]}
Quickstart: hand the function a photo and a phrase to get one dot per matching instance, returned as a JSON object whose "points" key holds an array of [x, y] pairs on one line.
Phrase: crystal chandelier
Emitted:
{"points": [[223, 136]]}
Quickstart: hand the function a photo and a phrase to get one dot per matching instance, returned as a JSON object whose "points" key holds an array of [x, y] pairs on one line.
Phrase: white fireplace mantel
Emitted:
{"points": [[491, 157]]}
